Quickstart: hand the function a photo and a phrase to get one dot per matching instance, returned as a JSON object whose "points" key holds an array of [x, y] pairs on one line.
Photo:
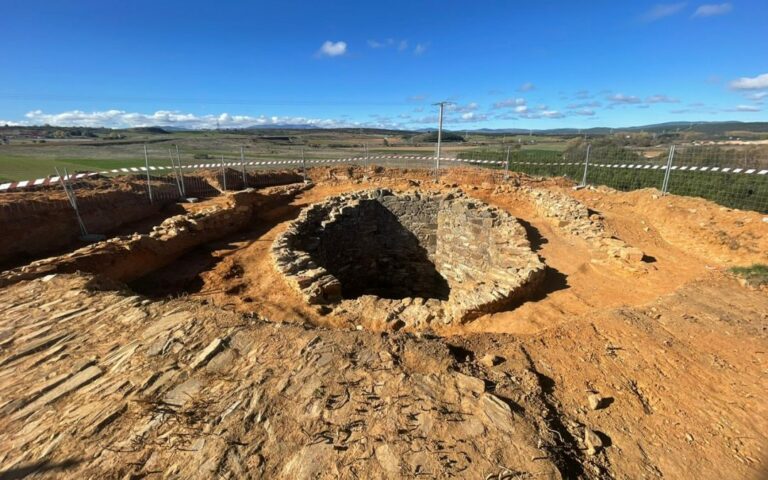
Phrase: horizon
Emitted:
{"points": [[300, 127], [348, 65]]}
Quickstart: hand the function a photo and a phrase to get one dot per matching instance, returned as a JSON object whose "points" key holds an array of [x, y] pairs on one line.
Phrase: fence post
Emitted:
{"points": [[181, 172], [149, 180], [223, 174], [665, 184], [175, 173], [367, 162], [72, 201], [242, 165], [586, 166], [303, 166], [506, 166]]}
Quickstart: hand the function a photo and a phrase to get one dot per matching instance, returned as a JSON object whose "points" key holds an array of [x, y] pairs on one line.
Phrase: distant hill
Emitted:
{"points": [[149, 129], [282, 126], [709, 128]]}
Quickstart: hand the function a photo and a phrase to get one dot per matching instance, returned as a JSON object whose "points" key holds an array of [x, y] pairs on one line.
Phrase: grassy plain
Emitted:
{"points": [[24, 159]]}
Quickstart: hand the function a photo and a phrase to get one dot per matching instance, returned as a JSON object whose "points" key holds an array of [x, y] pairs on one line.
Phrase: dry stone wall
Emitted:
{"points": [[127, 258], [408, 259], [485, 255], [574, 218]]}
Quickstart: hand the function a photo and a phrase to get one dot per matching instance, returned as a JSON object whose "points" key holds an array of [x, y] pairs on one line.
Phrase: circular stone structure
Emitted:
{"points": [[408, 259]]}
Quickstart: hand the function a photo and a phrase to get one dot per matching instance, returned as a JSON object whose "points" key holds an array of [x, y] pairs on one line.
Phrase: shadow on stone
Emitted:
{"points": [[371, 253], [39, 467], [534, 236]]}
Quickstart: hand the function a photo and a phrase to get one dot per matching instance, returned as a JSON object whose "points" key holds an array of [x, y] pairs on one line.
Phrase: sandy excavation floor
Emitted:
{"points": [[237, 377]]}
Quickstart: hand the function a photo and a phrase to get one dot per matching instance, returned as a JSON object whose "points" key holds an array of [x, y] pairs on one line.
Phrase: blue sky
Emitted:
{"points": [[505, 64]]}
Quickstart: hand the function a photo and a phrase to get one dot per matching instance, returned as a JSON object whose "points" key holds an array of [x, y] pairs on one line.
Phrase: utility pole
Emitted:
{"points": [[665, 183], [72, 199], [223, 173], [181, 172], [506, 166], [175, 172], [439, 136], [149, 180], [242, 166], [586, 166]]}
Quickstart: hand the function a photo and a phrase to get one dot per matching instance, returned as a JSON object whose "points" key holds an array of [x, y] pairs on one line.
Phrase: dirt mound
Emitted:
{"points": [[606, 372], [715, 234]]}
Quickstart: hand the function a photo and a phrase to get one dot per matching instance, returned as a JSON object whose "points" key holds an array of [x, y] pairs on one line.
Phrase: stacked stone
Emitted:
{"points": [[479, 259], [574, 218], [486, 257], [127, 258]]}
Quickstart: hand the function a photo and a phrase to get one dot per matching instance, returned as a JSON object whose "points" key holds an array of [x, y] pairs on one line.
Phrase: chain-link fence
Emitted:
{"points": [[723, 176], [163, 175]]}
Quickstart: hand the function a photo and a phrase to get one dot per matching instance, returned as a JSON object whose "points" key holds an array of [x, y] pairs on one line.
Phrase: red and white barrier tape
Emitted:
{"points": [[52, 180]]}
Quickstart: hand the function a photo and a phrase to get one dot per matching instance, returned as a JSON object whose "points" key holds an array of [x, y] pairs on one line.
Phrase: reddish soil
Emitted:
{"points": [[676, 350]]}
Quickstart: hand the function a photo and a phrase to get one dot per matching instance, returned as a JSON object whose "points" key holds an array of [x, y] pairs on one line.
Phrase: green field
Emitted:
{"points": [[27, 158], [25, 168]]}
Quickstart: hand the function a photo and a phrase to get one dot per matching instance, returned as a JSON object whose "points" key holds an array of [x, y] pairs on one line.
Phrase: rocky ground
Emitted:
{"points": [[613, 371]]}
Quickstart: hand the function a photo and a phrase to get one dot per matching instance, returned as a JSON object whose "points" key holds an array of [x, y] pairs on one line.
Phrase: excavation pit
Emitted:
{"points": [[408, 259]]}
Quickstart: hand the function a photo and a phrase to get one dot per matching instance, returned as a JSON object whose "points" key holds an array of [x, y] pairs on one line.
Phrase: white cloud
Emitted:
{"points": [[332, 49], [470, 107], [521, 108], [758, 97], [427, 119], [585, 112], [620, 98], [399, 45], [552, 114], [698, 108], [751, 83], [744, 108], [122, 119], [510, 102], [527, 87], [472, 116], [661, 99], [583, 95], [714, 9], [661, 11], [575, 106], [534, 115], [383, 44]]}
